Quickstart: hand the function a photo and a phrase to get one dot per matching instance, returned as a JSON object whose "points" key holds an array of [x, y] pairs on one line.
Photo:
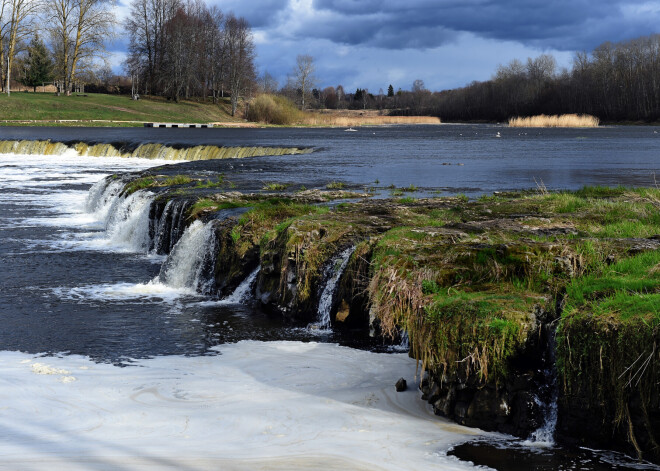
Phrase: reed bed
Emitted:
{"points": [[555, 121], [317, 119], [273, 109]]}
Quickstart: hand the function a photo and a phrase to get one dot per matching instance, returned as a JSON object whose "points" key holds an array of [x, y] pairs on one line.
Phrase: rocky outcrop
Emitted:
{"points": [[480, 288]]}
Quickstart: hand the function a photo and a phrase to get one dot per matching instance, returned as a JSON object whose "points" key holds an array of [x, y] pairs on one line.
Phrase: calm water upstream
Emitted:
{"points": [[283, 396]]}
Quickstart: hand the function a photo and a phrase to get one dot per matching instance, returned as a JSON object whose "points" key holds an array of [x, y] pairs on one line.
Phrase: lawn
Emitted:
{"points": [[23, 106]]}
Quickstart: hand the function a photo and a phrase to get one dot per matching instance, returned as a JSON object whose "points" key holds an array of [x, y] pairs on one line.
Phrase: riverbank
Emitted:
{"points": [[515, 305]]}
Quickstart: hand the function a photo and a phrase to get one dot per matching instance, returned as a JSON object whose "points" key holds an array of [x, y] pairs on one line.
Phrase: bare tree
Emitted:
{"points": [[79, 29], [303, 76], [145, 27], [267, 83], [239, 63]]}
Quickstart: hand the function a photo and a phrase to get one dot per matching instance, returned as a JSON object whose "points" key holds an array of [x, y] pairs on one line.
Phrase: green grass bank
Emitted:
{"points": [[103, 110]]}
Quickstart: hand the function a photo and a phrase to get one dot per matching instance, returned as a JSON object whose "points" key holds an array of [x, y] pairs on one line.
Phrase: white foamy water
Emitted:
{"points": [[38, 180], [257, 405], [152, 290]]}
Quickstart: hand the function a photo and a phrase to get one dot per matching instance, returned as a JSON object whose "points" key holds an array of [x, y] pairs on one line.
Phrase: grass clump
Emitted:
{"points": [[156, 182], [336, 186], [274, 186]]}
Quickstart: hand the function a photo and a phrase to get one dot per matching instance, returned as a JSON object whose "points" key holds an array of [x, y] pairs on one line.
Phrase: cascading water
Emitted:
{"points": [[170, 226], [191, 263], [127, 221], [242, 292], [547, 399], [102, 195], [335, 269], [152, 150]]}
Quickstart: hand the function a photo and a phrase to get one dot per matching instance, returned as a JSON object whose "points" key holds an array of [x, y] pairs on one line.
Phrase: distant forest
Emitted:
{"points": [[615, 82]]}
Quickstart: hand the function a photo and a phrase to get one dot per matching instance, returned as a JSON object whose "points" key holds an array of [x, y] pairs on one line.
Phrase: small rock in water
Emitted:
{"points": [[401, 385]]}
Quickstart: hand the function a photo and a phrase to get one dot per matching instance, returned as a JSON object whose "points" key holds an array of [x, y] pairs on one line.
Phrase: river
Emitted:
{"points": [[106, 366]]}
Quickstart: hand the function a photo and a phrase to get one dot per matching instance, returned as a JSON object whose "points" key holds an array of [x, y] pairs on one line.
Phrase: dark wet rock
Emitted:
{"points": [[401, 385]]}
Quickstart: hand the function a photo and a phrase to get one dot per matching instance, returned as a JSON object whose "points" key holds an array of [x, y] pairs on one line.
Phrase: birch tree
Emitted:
{"points": [[303, 74], [80, 29]]}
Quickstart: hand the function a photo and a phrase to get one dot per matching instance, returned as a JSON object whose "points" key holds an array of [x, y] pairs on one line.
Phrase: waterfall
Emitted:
{"points": [[101, 196], [167, 229], [547, 399], [33, 147], [127, 221], [145, 150], [243, 290], [191, 264], [333, 272]]}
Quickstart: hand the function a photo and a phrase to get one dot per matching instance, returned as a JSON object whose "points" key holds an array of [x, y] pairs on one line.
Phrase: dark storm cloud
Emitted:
{"points": [[566, 25]]}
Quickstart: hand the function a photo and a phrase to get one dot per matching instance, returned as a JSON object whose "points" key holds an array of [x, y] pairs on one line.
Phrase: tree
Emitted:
{"points": [[145, 27], [239, 53], [38, 65], [21, 13], [267, 83], [390, 91], [303, 74], [418, 86], [80, 29]]}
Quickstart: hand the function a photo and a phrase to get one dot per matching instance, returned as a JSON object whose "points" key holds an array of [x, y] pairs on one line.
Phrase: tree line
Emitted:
{"points": [[186, 49], [615, 82]]}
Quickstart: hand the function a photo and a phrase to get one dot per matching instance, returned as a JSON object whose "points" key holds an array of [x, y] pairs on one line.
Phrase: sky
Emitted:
{"points": [[447, 44]]}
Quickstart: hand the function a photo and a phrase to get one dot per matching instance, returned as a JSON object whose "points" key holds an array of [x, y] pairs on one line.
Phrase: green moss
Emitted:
{"points": [[208, 204]]}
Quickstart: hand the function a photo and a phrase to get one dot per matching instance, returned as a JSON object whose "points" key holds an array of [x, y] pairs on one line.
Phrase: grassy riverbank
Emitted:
{"points": [[44, 109]]}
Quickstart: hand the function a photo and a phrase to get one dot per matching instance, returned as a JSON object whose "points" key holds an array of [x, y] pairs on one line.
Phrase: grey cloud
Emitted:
{"points": [[399, 24]]}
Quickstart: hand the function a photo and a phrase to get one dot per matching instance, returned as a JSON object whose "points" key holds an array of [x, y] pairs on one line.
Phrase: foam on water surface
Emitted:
{"points": [[152, 290], [255, 405]]}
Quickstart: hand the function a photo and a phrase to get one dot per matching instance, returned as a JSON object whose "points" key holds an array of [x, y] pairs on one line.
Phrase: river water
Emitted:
{"points": [[104, 365]]}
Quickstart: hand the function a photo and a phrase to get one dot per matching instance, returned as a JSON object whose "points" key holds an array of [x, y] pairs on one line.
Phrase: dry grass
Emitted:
{"points": [[363, 119], [554, 121]]}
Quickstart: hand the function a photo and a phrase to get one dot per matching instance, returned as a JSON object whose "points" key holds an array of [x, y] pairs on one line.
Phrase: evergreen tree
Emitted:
{"points": [[390, 90], [38, 65]]}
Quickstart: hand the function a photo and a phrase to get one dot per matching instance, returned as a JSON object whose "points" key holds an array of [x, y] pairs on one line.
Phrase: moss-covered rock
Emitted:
{"points": [[479, 287]]}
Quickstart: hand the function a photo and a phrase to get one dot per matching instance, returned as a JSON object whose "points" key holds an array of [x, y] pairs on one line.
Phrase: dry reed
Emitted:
{"points": [[317, 119], [554, 121]]}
